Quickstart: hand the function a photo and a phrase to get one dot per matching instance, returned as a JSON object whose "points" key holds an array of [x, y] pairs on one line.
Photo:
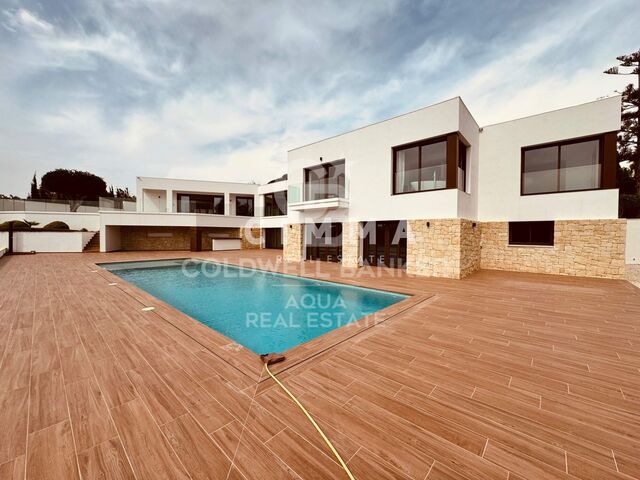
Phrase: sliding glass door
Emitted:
{"points": [[385, 243], [323, 241]]}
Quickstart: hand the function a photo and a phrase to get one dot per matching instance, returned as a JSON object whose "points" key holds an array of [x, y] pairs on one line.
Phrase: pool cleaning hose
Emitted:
{"points": [[272, 358]]}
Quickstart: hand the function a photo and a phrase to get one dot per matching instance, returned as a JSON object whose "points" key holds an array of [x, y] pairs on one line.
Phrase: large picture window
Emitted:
{"points": [[190, 203], [563, 167], [275, 204], [244, 206], [420, 167], [324, 181]]}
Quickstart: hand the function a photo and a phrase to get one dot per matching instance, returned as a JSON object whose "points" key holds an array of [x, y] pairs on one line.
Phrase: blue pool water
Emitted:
{"points": [[263, 311]]}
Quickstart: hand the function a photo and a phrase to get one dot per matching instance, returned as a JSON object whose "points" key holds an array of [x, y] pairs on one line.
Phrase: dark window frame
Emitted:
{"points": [[325, 166], [463, 154], [384, 232], [275, 207], [253, 205], [201, 195], [453, 140], [320, 250], [601, 161], [419, 144], [531, 242]]}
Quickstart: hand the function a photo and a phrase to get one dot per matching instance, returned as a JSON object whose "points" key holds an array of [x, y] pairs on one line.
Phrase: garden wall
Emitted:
{"points": [[44, 241], [633, 242], [75, 220], [4, 242]]}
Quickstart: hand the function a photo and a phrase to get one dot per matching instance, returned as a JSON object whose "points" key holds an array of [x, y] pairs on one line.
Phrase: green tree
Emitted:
{"points": [[628, 152], [35, 191], [74, 185]]}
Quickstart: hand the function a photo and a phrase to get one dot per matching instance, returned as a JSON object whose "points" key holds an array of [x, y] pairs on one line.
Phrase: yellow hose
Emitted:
{"points": [[324, 437]]}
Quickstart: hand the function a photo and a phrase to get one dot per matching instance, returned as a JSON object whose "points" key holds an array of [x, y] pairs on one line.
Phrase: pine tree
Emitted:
{"points": [[628, 152], [35, 192]]}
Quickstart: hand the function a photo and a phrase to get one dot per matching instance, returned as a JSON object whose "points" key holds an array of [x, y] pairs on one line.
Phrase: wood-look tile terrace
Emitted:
{"points": [[500, 375]]}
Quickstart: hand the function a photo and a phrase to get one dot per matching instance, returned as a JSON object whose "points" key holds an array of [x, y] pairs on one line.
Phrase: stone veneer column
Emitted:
{"points": [[589, 248], [293, 237], [443, 248], [351, 244], [470, 247], [251, 238]]}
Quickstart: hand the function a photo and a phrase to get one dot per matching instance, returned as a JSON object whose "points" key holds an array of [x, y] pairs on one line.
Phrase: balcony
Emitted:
{"points": [[305, 197]]}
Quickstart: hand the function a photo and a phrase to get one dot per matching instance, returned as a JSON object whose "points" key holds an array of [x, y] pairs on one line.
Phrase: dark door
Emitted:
{"points": [[196, 239], [273, 238], [324, 241], [385, 243]]}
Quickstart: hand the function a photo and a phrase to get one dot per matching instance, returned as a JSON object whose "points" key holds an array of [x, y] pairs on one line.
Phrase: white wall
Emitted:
{"points": [[468, 200], [75, 220], [172, 186], [4, 240], [175, 220], [368, 167], [110, 239], [273, 187], [152, 201], [50, 241], [633, 242], [273, 222], [500, 165]]}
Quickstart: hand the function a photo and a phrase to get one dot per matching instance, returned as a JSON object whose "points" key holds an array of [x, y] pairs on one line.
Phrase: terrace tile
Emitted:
{"points": [[500, 375]]}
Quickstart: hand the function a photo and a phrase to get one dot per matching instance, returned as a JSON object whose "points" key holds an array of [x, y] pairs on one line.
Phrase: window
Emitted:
{"points": [[462, 166], [531, 233], [244, 206], [275, 204], [324, 181], [190, 203], [564, 167], [420, 167]]}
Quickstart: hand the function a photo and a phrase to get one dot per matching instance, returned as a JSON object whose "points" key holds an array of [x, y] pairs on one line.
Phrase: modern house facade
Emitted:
{"points": [[174, 214], [430, 191], [433, 192]]}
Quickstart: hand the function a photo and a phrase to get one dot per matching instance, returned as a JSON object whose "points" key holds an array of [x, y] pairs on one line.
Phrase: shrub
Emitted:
{"points": [[56, 226], [629, 206], [17, 225]]}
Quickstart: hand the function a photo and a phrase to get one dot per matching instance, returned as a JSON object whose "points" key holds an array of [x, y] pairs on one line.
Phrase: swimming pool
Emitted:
{"points": [[263, 311]]}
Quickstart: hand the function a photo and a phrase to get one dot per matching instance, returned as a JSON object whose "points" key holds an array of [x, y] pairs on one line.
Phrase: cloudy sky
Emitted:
{"points": [[221, 90]]}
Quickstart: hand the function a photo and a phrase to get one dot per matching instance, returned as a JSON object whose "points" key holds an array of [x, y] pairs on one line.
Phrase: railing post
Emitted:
{"points": [[10, 237]]}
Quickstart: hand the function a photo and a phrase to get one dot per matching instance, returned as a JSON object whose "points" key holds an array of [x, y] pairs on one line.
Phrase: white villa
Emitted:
{"points": [[430, 191]]}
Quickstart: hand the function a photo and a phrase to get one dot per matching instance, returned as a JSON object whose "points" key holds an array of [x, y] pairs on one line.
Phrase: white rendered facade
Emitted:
{"points": [[486, 191], [494, 162]]}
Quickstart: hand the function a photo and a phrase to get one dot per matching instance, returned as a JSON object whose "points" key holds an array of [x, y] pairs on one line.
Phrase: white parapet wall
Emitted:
{"points": [[633, 242], [4, 242], [75, 220], [45, 242]]}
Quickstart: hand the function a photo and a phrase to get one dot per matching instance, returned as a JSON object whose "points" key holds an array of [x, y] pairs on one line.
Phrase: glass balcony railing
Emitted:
{"points": [[80, 206], [319, 192]]}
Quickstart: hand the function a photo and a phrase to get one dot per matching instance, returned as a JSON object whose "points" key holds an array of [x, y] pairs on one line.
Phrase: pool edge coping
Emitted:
{"points": [[243, 359]]}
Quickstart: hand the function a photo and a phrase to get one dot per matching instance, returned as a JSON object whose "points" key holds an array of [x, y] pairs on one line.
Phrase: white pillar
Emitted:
{"points": [[169, 201], [227, 203]]}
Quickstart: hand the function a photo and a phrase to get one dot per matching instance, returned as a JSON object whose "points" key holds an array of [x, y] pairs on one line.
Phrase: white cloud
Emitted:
{"points": [[221, 91], [518, 82], [27, 20]]}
